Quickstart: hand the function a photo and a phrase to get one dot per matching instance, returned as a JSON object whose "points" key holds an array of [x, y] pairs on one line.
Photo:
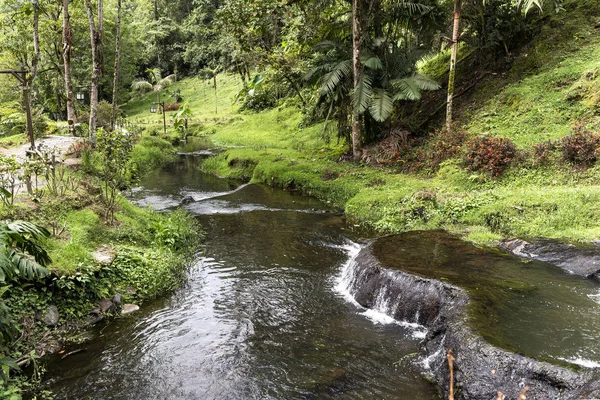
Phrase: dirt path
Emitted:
{"points": [[62, 143]]}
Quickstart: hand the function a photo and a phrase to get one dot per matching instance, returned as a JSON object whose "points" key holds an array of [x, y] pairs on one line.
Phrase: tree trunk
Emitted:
{"points": [[216, 98], [357, 69], [96, 41], [66, 53], [28, 80], [452, 73], [115, 96]]}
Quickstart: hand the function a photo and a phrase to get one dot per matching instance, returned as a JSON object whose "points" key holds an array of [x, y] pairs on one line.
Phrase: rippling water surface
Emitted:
{"points": [[258, 318], [262, 315]]}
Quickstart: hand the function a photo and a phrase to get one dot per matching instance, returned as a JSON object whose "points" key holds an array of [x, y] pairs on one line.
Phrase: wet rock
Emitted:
{"points": [[481, 370], [579, 260], [117, 299], [49, 317], [187, 200], [104, 255], [106, 305], [94, 317], [129, 309]]}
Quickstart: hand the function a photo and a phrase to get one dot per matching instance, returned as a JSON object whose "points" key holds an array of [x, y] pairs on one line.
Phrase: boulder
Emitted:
{"points": [[480, 368], [117, 300], [50, 316], [104, 255], [106, 305], [187, 200], [582, 260], [129, 309]]}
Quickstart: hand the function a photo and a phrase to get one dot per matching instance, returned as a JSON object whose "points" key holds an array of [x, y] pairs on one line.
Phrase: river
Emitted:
{"points": [[259, 316], [264, 313]]}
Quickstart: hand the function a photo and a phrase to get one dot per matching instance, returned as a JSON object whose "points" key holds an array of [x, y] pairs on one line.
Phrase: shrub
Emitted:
{"points": [[104, 114], [488, 154], [149, 154], [443, 145], [581, 147], [259, 100], [543, 152]]}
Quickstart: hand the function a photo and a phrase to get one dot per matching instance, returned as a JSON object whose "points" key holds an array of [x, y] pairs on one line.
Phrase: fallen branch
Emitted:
{"points": [[451, 367], [71, 353]]}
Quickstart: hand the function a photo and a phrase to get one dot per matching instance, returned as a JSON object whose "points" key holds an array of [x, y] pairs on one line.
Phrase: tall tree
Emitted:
{"points": [[115, 95], [452, 73], [357, 70], [96, 30], [67, 51]]}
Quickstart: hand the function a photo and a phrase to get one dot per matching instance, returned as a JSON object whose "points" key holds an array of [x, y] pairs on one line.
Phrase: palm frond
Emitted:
{"points": [[381, 106], [332, 79], [409, 8], [167, 80], [408, 89], [155, 74], [426, 83], [142, 86], [374, 63], [362, 94]]}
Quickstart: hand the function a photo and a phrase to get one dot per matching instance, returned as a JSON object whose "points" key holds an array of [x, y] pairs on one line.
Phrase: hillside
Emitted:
{"points": [[553, 83]]}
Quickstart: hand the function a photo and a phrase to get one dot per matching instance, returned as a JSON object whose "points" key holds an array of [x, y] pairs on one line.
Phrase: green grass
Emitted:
{"points": [[553, 83], [199, 94], [13, 140]]}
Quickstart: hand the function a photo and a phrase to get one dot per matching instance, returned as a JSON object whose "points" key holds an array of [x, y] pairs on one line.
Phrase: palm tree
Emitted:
{"points": [[155, 83], [384, 80], [21, 255]]}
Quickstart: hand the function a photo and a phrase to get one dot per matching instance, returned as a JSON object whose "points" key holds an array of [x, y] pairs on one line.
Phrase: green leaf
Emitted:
{"points": [[382, 105], [374, 63], [362, 94]]}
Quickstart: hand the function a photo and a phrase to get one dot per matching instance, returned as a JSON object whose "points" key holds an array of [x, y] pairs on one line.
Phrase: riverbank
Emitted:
{"points": [[540, 105], [101, 267]]}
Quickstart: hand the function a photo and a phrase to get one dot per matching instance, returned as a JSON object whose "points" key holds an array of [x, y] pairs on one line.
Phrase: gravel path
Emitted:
{"points": [[62, 143]]}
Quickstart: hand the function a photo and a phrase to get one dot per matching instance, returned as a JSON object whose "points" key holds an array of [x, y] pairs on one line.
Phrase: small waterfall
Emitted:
{"points": [[385, 300]]}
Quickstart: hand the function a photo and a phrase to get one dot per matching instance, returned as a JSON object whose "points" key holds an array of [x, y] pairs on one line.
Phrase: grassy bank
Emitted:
{"points": [[552, 85], [140, 255]]}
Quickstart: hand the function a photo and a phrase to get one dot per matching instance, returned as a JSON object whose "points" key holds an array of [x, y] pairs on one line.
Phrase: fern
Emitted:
{"points": [[21, 254]]}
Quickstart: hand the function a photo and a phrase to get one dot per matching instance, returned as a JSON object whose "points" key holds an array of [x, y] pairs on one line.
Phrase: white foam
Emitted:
{"points": [[378, 315], [581, 362]]}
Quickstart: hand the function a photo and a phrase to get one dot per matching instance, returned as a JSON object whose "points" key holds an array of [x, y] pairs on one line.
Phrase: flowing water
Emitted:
{"points": [[258, 318], [264, 315]]}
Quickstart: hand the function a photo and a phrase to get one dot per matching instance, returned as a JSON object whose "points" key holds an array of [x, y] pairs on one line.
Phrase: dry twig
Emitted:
{"points": [[451, 367], [522, 394]]}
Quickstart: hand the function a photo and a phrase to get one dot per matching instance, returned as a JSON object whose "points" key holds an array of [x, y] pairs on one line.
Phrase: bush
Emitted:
{"points": [[149, 154], [104, 114], [543, 152], [581, 147], [443, 145], [259, 100], [488, 154]]}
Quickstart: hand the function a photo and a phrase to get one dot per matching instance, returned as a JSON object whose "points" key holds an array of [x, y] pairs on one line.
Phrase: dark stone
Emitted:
{"points": [[117, 300], [481, 370], [49, 317], [579, 260], [106, 305], [187, 200], [94, 317]]}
